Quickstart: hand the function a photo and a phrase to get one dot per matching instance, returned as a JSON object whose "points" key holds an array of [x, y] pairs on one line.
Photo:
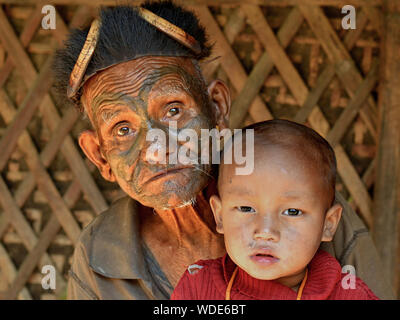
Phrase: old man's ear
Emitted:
{"points": [[221, 101], [89, 143]]}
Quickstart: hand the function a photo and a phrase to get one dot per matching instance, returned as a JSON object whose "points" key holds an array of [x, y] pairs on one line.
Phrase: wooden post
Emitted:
{"points": [[385, 230]]}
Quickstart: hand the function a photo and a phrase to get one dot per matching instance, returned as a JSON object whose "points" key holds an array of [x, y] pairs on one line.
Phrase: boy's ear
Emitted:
{"points": [[90, 145], [216, 207], [332, 219]]}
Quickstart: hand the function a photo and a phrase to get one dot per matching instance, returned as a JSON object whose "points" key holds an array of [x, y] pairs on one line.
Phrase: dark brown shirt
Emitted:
{"points": [[111, 262]]}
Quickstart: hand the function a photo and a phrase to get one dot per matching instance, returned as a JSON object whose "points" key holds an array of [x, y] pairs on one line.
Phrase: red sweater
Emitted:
{"points": [[323, 283]]}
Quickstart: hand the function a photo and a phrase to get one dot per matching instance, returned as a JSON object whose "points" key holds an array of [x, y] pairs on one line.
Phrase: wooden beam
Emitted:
{"points": [[47, 235], [337, 53], [229, 61], [236, 22], [23, 228], [31, 102], [50, 113], [10, 271], [280, 3], [263, 67], [352, 109], [29, 264], [385, 230], [326, 76]]}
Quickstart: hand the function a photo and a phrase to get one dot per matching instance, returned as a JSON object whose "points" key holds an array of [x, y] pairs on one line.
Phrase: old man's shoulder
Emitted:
{"points": [[113, 223], [113, 237]]}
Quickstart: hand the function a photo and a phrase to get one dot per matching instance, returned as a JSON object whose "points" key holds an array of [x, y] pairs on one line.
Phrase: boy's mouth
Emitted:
{"points": [[264, 257]]}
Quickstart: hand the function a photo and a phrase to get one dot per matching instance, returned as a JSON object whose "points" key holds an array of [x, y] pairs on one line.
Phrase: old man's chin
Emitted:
{"points": [[170, 191]]}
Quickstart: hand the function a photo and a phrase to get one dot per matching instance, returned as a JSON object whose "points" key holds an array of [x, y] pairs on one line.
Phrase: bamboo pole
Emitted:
{"points": [[280, 3], [387, 186]]}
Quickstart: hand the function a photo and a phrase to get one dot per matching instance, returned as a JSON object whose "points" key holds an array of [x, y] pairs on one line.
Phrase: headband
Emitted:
{"points": [[78, 72]]}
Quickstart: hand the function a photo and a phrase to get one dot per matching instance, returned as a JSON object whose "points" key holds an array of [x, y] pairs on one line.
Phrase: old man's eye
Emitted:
{"points": [[122, 131], [173, 111], [246, 209], [292, 212]]}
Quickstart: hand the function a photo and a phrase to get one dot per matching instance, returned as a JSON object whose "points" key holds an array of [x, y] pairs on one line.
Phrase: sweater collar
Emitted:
{"points": [[323, 274]]}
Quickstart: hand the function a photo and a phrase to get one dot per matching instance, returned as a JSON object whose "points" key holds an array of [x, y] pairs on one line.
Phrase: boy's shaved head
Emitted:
{"points": [[309, 148]]}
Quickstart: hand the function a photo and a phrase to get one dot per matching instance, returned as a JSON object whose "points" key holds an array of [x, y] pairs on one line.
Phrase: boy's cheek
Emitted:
{"points": [[237, 251], [240, 238]]}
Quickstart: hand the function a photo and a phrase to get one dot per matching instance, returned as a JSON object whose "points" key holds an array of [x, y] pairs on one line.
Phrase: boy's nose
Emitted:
{"points": [[267, 230]]}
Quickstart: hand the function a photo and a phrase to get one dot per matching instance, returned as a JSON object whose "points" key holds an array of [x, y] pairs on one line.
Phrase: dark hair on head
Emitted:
{"points": [[308, 143], [124, 36], [314, 146]]}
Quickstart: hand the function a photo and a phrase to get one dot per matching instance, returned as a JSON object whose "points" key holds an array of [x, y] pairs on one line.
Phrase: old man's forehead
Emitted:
{"points": [[142, 71]]}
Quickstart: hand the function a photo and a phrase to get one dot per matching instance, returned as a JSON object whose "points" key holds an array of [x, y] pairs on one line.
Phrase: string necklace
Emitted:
{"points": [[230, 284]]}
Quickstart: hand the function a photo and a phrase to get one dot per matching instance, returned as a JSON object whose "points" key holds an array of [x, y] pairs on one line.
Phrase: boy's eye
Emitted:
{"points": [[246, 209], [292, 212]]}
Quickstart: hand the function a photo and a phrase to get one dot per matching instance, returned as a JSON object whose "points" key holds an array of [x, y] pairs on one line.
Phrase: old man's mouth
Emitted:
{"points": [[167, 171]]}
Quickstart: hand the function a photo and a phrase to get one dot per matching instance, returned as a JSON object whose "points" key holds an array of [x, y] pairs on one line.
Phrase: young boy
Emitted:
{"points": [[273, 222]]}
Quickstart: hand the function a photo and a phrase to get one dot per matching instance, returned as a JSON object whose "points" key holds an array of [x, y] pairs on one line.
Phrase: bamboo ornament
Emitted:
{"points": [[83, 60], [87, 51]]}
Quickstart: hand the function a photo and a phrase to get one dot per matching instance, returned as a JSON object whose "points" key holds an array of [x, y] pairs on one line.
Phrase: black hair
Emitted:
{"points": [[124, 36]]}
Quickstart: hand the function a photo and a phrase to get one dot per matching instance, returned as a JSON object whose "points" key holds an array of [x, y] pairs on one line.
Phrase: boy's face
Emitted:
{"points": [[274, 219]]}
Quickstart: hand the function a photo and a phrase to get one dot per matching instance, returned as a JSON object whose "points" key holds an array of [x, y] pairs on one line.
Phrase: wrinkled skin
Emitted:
{"points": [[123, 103]]}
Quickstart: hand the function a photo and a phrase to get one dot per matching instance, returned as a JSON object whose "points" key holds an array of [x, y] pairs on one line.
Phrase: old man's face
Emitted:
{"points": [[128, 100]]}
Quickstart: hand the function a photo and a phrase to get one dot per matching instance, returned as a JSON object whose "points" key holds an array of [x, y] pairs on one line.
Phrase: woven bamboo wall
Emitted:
{"points": [[280, 61]]}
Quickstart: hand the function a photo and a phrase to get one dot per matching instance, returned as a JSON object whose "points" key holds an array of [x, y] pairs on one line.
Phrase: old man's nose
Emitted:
{"points": [[160, 149], [156, 153]]}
